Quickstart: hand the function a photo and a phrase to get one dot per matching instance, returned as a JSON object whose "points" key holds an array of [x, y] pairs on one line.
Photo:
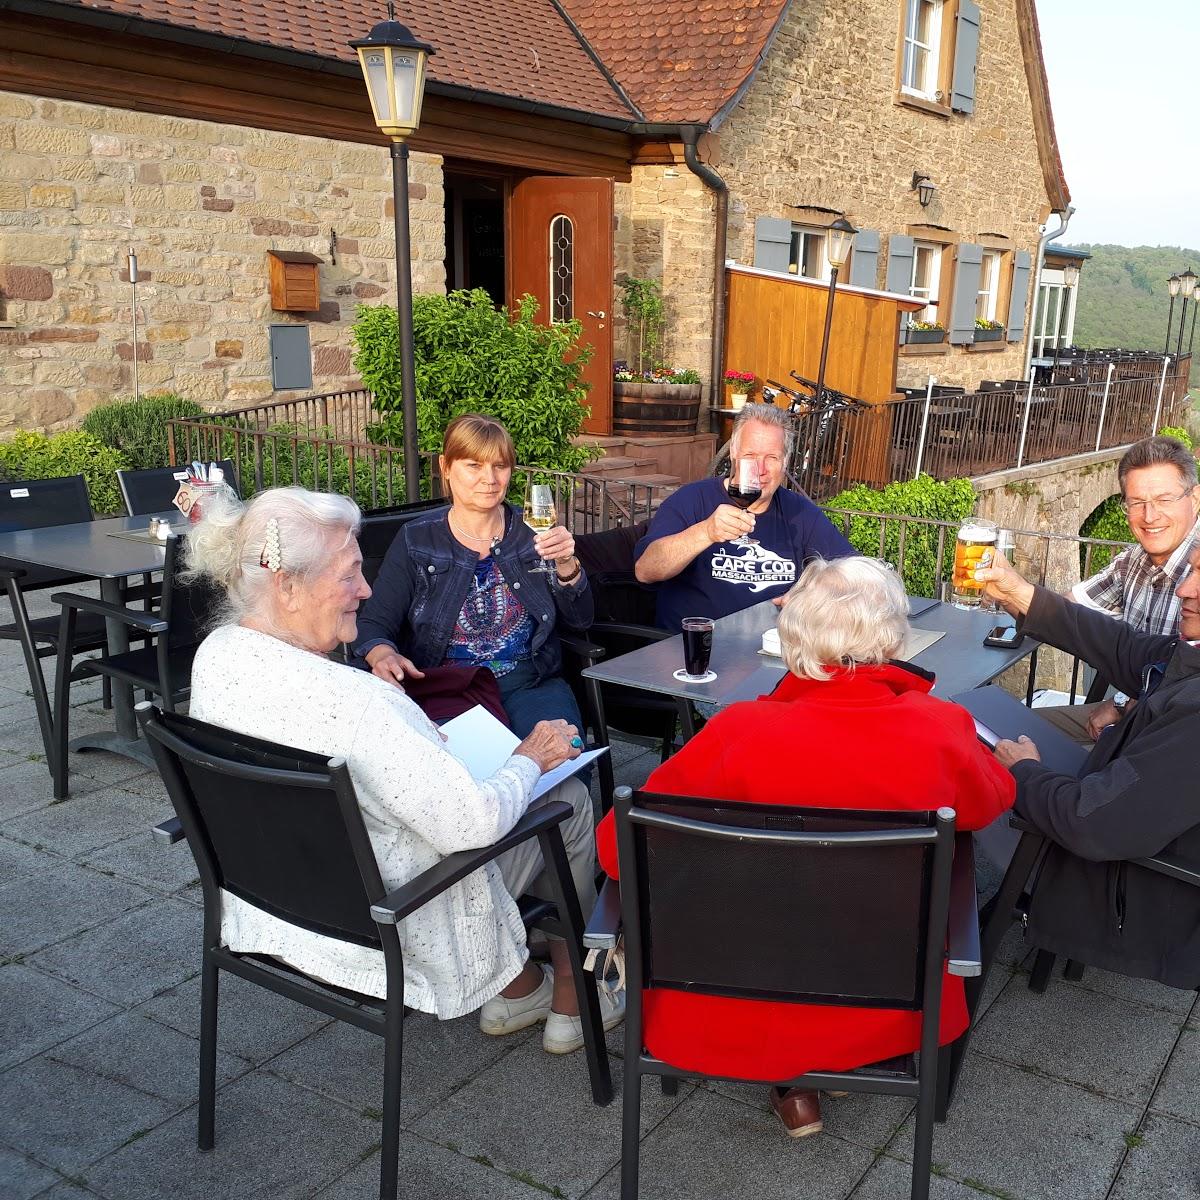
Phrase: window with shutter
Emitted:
{"points": [[919, 58], [1019, 295], [968, 262], [900, 264], [864, 259], [966, 57], [938, 55], [925, 280], [773, 243]]}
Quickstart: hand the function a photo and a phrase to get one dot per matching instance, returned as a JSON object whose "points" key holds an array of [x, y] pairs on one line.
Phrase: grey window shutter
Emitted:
{"points": [[291, 357], [1022, 264], [900, 264], [773, 243], [966, 57], [864, 262], [966, 292]]}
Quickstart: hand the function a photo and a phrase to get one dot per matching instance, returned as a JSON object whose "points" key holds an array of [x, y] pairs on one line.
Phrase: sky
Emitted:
{"points": [[1125, 90]]}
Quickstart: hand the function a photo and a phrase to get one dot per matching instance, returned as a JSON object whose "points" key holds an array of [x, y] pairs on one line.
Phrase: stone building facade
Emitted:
{"points": [[201, 203]]}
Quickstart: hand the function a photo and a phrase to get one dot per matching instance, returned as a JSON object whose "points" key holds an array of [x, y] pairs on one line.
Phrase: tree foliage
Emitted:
{"points": [[138, 428], [40, 456]]}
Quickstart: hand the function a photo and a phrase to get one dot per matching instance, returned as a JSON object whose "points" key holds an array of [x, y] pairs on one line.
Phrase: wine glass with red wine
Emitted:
{"points": [[745, 489]]}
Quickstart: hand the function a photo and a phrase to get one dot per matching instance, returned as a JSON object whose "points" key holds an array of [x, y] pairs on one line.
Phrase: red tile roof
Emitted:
{"points": [[517, 48], [678, 60]]}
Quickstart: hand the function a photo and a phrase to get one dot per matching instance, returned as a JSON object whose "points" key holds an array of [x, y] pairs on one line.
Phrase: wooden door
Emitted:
{"points": [[560, 230]]}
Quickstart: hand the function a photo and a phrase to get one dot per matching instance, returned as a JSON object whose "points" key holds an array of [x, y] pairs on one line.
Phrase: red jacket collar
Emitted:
{"points": [[861, 684]]}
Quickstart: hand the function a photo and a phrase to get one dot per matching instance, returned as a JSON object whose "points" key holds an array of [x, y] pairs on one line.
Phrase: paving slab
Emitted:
{"points": [[38, 1011], [889, 1179], [144, 1055], [1178, 1093], [51, 1109], [86, 822], [1025, 1135], [21, 1178], [24, 785], [143, 859], [532, 1112], [272, 1139], [252, 1023], [435, 1173], [132, 957], [713, 1147], [1145, 992], [1080, 1036], [19, 861], [44, 909], [439, 1057], [1165, 1164]]}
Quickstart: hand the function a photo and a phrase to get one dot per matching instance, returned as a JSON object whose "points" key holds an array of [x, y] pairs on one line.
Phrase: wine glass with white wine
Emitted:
{"points": [[540, 516]]}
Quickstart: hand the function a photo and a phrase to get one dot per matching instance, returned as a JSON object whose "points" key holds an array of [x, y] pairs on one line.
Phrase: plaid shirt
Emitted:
{"points": [[1134, 590]]}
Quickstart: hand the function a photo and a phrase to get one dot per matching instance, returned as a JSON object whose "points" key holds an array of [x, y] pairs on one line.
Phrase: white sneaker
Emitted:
{"points": [[564, 1035], [499, 1015]]}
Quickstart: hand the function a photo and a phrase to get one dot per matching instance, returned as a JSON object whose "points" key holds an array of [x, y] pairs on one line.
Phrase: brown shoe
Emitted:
{"points": [[799, 1110]]}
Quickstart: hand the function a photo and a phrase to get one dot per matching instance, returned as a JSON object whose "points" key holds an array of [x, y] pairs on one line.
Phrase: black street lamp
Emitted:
{"points": [[393, 65], [837, 249], [1187, 289], [1192, 335], [1173, 291]]}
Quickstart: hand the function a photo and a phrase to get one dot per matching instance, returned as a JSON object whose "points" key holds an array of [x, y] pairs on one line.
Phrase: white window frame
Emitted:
{"points": [[988, 297], [926, 88], [1053, 294], [800, 236], [929, 291]]}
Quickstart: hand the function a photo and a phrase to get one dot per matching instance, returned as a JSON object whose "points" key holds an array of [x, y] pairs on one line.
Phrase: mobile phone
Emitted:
{"points": [[1003, 636]]}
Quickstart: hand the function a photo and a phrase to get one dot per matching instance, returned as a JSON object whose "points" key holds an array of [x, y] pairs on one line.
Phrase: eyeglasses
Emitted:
{"points": [[1140, 506]]}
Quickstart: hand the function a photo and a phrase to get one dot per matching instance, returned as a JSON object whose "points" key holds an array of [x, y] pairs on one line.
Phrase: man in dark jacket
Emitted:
{"points": [[1136, 795]]}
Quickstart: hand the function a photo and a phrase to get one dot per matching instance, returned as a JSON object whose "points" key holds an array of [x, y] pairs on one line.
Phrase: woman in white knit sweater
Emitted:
{"points": [[291, 569]]}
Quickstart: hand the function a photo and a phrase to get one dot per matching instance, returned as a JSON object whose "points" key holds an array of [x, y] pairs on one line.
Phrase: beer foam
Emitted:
{"points": [[977, 533]]}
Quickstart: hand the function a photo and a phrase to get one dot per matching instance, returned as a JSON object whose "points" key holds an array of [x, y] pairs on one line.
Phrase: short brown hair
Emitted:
{"points": [[477, 437], [1155, 452]]}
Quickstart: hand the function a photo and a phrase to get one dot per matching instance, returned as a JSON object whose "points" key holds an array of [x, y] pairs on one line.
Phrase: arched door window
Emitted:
{"points": [[562, 269]]}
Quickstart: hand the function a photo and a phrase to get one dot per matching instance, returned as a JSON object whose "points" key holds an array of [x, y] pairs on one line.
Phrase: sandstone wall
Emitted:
{"points": [[201, 203], [820, 127]]}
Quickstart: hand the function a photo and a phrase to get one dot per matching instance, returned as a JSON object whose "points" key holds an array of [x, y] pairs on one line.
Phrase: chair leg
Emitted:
{"points": [[106, 692], [209, 987], [1043, 967], [33, 668], [1073, 970], [631, 1130], [670, 1085], [60, 728], [393, 1059], [923, 1140]]}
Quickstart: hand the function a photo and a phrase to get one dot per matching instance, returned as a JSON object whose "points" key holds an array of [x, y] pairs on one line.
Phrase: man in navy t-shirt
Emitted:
{"points": [[687, 550]]}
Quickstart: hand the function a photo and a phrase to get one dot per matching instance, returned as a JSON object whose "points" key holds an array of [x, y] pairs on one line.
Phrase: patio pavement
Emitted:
{"points": [[1088, 1091]]}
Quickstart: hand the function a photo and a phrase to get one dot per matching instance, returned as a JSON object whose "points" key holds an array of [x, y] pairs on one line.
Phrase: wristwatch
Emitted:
{"points": [[1120, 700]]}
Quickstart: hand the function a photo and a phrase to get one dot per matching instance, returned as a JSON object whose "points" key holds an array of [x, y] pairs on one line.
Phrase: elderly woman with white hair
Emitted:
{"points": [[848, 726], [291, 570]]}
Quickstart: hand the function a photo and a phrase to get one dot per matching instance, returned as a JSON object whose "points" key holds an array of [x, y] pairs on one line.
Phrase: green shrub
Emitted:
{"points": [[36, 456], [1179, 434], [926, 497], [138, 428], [473, 357]]}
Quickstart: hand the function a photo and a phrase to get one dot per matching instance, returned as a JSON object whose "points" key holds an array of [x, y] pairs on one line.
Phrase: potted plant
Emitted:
{"points": [[925, 333], [739, 387], [988, 331]]}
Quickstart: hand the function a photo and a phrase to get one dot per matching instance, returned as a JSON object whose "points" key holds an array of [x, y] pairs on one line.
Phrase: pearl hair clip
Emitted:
{"points": [[270, 553]]}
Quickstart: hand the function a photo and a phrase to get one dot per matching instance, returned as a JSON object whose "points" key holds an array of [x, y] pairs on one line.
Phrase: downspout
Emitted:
{"points": [[1064, 219], [690, 135]]}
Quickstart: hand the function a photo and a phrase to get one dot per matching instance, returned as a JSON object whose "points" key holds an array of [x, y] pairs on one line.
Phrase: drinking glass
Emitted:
{"points": [[745, 489], [697, 649], [973, 548], [540, 516]]}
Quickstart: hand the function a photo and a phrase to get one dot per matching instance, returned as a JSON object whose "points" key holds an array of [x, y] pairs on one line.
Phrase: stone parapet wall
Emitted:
{"points": [[201, 203]]}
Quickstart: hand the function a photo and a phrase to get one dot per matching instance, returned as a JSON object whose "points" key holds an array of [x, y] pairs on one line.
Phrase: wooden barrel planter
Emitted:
{"points": [[655, 408]]}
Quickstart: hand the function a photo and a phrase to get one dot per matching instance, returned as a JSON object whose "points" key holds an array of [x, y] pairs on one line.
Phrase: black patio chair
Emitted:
{"points": [[40, 504], [281, 829], [163, 669], [813, 906], [379, 527], [152, 490]]}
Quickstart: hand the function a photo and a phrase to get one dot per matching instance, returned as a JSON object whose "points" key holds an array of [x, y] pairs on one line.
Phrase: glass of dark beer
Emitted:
{"points": [[697, 648]]}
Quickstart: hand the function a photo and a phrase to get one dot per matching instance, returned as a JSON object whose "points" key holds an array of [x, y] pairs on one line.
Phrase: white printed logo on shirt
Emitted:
{"points": [[754, 567]]}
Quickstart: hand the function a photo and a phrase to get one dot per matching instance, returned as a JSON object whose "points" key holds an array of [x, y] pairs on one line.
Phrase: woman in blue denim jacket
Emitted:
{"points": [[457, 586]]}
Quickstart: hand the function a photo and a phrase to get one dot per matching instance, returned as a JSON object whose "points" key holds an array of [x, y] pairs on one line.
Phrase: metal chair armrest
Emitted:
{"points": [[146, 622], [406, 899], [604, 925], [964, 954], [168, 832], [650, 632], [588, 651]]}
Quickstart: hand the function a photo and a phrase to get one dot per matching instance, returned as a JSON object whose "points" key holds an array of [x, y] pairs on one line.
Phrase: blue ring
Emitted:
{"points": [[577, 743]]}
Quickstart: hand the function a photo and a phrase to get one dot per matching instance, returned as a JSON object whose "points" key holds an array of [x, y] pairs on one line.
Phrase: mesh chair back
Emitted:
{"points": [[153, 489], [796, 904], [188, 606], [379, 526], [277, 827]]}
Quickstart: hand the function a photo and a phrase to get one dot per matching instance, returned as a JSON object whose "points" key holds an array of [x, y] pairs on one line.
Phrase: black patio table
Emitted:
{"points": [[91, 549], [959, 659]]}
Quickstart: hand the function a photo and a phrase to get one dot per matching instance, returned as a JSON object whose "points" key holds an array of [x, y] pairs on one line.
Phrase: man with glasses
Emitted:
{"points": [[1157, 478]]}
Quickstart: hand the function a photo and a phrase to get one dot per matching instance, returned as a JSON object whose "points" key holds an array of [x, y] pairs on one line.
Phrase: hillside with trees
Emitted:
{"points": [[1123, 299]]}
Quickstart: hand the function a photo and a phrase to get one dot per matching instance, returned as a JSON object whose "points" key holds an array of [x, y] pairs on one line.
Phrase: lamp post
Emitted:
{"points": [[1187, 289], [1173, 291], [839, 240], [393, 66]]}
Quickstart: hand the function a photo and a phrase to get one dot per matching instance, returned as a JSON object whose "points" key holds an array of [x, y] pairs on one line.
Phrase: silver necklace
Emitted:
{"points": [[479, 541]]}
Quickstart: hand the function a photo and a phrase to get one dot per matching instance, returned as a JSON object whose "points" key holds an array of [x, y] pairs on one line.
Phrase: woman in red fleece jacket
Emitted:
{"points": [[862, 731]]}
